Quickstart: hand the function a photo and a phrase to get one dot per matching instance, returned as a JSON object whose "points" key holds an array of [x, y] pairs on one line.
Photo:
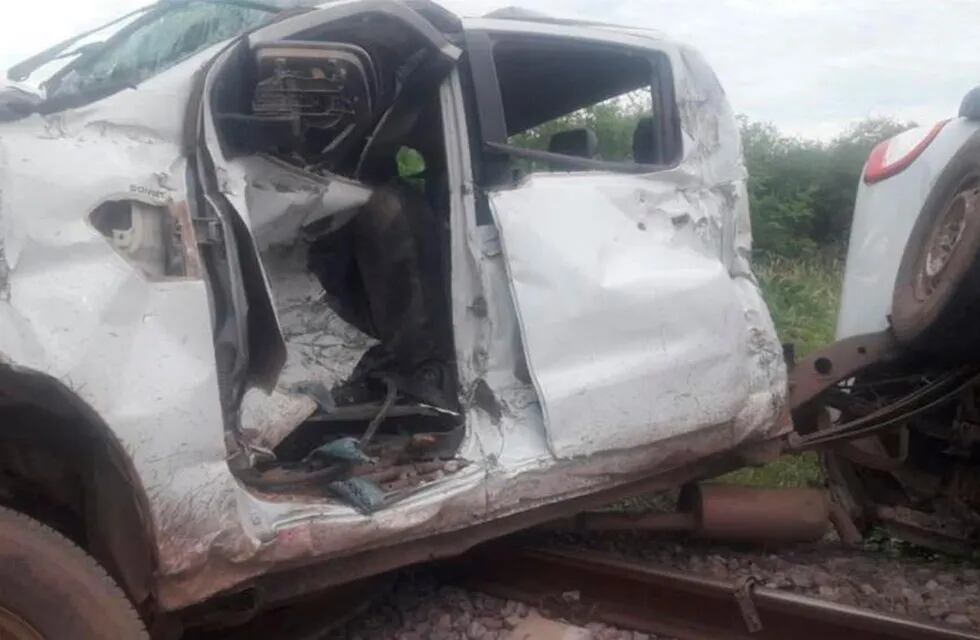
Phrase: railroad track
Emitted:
{"points": [[596, 586]]}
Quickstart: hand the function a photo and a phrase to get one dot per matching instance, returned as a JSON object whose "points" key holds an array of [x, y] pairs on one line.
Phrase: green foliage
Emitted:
{"points": [[613, 121], [802, 192], [801, 197], [789, 471], [802, 296], [881, 542]]}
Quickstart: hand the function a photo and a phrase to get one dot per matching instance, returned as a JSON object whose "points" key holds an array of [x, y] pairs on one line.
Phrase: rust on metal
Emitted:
{"points": [[942, 390], [187, 236], [666, 602], [847, 531], [839, 361], [943, 243], [872, 453], [750, 514], [946, 534], [732, 513], [296, 582], [743, 596]]}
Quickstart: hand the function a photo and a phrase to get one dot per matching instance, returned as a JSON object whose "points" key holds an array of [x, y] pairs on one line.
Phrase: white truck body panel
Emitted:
{"points": [[634, 329], [650, 347], [884, 215]]}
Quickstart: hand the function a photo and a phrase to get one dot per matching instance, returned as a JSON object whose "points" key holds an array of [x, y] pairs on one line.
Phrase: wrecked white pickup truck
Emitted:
{"points": [[247, 354]]}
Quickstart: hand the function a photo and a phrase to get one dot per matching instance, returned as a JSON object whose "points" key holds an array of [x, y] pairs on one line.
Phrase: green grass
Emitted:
{"points": [[787, 472], [803, 296]]}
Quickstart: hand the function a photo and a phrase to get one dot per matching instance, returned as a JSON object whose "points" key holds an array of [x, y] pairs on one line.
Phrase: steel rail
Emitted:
{"points": [[599, 587]]}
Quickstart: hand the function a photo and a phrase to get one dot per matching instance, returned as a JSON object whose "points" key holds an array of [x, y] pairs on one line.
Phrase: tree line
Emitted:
{"points": [[801, 191]]}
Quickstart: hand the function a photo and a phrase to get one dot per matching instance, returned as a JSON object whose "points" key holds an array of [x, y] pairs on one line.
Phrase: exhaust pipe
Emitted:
{"points": [[730, 513]]}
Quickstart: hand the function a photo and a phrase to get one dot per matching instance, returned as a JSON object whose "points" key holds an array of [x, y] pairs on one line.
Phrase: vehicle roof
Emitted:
{"points": [[523, 20], [520, 14], [515, 18]]}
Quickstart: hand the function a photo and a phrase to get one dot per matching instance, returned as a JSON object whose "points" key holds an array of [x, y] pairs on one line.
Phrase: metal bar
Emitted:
{"points": [[838, 361], [665, 602], [854, 430]]}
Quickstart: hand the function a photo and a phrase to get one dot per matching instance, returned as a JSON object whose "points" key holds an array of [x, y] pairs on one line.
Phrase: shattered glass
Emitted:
{"points": [[158, 44]]}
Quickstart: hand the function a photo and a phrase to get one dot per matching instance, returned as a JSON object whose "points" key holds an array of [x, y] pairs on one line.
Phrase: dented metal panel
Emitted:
{"points": [[633, 328], [640, 318], [138, 351], [707, 367], [698, 215]]}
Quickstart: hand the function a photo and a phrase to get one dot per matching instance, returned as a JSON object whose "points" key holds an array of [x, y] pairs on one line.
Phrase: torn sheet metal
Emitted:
{"points": [[286, 208], [322, 349], [513, 468], [141, 353], [283, 203]]}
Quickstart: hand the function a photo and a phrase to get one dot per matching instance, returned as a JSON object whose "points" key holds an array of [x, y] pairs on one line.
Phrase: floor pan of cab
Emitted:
{"points": [[415, 447], [303, 444]]}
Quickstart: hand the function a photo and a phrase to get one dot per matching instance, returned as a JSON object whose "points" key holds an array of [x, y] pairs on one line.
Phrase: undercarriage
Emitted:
{"points": [[898, 434]]}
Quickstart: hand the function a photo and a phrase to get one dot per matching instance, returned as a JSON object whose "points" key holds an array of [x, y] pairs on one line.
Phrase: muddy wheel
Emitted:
{"points": [[937, 290], [50, 589]]}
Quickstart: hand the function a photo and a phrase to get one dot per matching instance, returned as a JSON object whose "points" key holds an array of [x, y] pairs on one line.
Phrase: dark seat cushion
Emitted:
{"points": [[582, 143]]}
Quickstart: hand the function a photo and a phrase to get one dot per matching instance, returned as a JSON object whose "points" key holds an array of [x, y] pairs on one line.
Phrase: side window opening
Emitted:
{"points": [[611, 130], [571, 106]]}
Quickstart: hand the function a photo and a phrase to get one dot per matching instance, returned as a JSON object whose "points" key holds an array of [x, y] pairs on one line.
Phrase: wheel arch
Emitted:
{"points": [[61, 463]]}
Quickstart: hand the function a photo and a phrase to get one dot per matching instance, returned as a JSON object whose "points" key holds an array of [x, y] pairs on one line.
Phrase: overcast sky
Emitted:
{"points": [[809, 66]]}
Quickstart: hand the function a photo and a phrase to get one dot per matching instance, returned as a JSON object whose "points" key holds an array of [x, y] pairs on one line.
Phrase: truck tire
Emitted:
{"points": [[52, 590], [937, 290]]}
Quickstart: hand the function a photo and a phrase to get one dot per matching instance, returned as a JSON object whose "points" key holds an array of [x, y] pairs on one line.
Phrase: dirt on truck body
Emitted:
{"points": [[287, 300]]}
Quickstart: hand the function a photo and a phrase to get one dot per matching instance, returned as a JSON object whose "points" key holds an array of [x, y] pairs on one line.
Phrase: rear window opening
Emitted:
{"points": [[570, 106]]}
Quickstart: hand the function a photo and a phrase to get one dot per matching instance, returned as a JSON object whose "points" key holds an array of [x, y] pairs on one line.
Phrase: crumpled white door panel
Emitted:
{"points": [[634, 329]]}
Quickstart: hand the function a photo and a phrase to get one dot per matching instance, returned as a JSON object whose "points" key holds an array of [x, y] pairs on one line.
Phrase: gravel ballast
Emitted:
{"points": [[927, 590], [419, 608]]}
